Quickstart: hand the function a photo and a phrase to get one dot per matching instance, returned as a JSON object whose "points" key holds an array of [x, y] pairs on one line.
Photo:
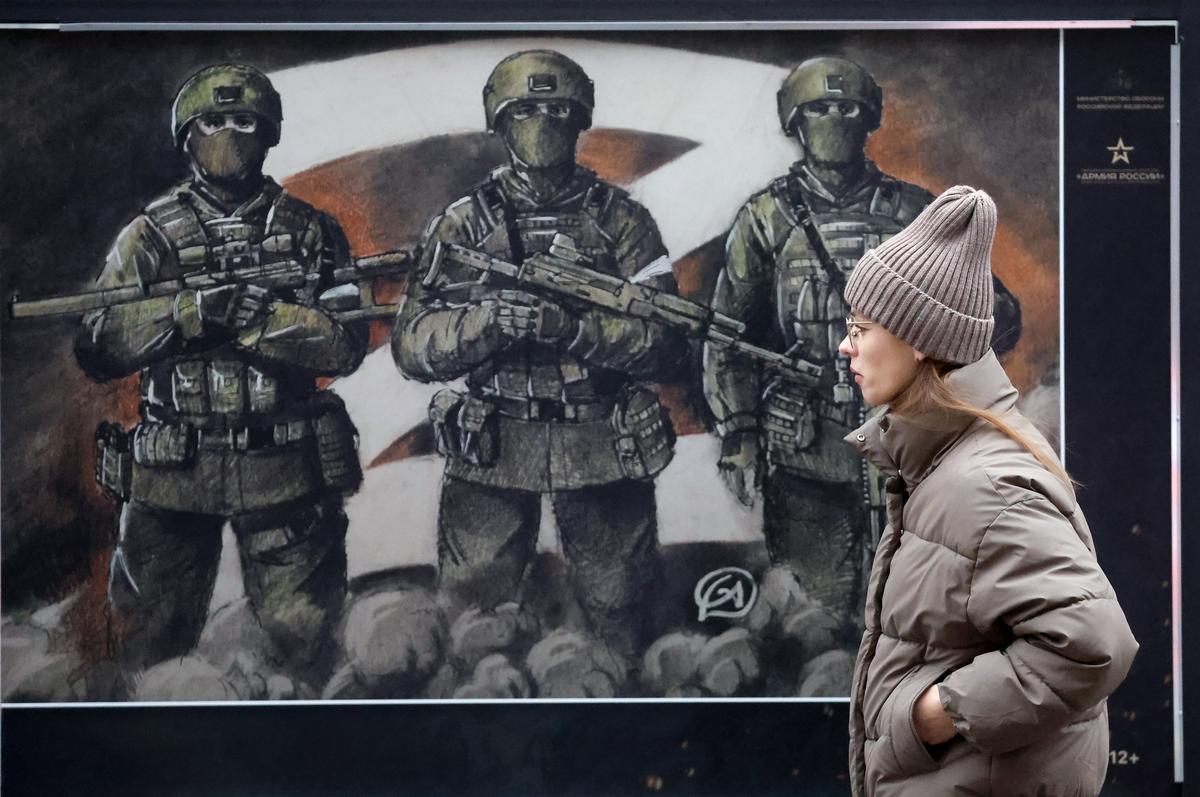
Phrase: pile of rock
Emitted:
{"points": [[38, 662], [398, 643]]}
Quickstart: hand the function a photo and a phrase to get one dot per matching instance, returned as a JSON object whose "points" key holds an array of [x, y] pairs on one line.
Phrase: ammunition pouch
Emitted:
{"points": [[114, 460], [789, 423], [465, 427], [225, 387], [164, 445], [189, 389], [337, 444], [642, 433]]}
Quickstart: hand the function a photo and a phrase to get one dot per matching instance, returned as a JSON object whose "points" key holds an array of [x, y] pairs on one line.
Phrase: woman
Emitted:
{"points": [[992, 635]]}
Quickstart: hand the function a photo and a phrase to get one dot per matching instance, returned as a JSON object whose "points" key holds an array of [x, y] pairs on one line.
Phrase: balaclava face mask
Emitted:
{"points": [[834, 140], [541, 141], [226, 156]]}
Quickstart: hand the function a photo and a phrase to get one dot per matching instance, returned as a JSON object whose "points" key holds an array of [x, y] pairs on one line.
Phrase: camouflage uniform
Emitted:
{"points": [[231, 424], [547, 417], [816, 490], [813, 500]]}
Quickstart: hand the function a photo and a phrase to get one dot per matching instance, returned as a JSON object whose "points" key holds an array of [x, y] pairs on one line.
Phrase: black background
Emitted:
{"points": [[1117, 425], [1118, 379]]}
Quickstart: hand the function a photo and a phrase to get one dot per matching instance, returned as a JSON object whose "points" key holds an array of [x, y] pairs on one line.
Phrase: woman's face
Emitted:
{"points": [[883, 365]]}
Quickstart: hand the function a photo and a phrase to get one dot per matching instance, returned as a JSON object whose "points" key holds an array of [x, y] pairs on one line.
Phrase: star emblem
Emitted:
{"points": [[1120, 151]]}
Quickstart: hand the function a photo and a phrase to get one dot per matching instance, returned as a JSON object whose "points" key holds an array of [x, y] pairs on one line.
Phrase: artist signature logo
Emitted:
{"points": [[726, 592]]}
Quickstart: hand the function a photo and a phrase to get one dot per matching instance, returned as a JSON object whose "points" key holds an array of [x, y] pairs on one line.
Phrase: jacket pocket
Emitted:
{"points": [[896, 720]]}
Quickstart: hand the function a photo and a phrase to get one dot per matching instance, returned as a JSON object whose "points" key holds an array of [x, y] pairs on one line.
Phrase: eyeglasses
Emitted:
{"points": [[555, 109], [211, 123], [847, 109], [854, 328]]}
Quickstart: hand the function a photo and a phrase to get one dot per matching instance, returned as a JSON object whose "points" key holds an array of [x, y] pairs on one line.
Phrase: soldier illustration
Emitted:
{"points": [[232, 425], [785, 260], [552, 402]]}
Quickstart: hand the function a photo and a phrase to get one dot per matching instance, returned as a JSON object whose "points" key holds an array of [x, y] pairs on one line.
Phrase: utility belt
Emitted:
{"points": [[467, 426], [532, 409], [250, 438], [172, 444]]}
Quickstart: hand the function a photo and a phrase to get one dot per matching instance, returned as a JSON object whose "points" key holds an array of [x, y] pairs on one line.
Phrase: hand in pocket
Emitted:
{"points": [[933, 724]]}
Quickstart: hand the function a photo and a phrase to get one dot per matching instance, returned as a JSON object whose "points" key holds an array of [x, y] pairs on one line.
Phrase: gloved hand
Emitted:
{"points": [[741, 465], [234, 306], [524, 316]]}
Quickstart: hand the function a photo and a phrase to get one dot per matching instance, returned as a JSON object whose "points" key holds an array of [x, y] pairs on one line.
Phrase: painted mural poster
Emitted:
{"points": [[469, 366]]}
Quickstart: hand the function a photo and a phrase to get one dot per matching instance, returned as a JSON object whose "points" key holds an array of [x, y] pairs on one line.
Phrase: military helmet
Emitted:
{"points": [[226, 88], [827, 78], [537, 75]]}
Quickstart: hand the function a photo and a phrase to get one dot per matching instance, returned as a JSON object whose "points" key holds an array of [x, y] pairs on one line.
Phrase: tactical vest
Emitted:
{"points": [[221, 387], [804, 429], [533, 370], [807, 309]]}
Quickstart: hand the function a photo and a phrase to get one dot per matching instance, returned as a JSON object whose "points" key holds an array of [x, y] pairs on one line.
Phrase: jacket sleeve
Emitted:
{"points": [[305, 337], [119, 340], [611, 340], [743, 292], [1036, 576], [301, 334], [435, 339]]}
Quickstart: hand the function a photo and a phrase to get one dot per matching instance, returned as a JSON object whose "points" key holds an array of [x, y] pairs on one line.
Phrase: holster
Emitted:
{"points": [[465, 427], [164, 445], [337, 443], [642, 433], [114, 460], [443, 415]]}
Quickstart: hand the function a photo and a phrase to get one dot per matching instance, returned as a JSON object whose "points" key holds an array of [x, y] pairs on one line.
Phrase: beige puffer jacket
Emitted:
{"points": [[985, 583]]}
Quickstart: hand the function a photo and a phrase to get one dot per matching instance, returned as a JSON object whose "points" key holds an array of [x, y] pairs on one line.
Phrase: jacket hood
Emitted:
{"points": [[911, 446]]}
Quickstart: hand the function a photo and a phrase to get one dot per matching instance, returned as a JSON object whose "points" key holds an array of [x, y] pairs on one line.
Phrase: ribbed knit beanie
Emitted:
{"points": [[931, 284]]}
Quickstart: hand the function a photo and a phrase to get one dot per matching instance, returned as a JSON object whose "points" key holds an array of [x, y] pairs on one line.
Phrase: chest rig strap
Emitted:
{"points": [[495, 200], [597, 203], [179, 221], [181, 227], [788, 190]]}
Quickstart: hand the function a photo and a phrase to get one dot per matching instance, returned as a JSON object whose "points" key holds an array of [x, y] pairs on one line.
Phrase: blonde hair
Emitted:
{"points": [[930, 393]]}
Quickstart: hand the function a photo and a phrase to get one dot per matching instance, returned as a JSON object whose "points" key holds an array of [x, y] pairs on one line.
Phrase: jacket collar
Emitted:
{"points": [[849, 195], [267, 193], [912, 446], [524, 197]]}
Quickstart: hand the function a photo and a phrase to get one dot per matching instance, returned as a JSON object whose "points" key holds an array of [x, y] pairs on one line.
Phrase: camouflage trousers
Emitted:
{"points": [[488, 535], [818, 529], [293, 560]]}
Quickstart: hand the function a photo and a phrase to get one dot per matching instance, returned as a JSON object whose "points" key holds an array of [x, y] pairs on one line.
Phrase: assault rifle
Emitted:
{"points": [[566, 272], [352, 297]]}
